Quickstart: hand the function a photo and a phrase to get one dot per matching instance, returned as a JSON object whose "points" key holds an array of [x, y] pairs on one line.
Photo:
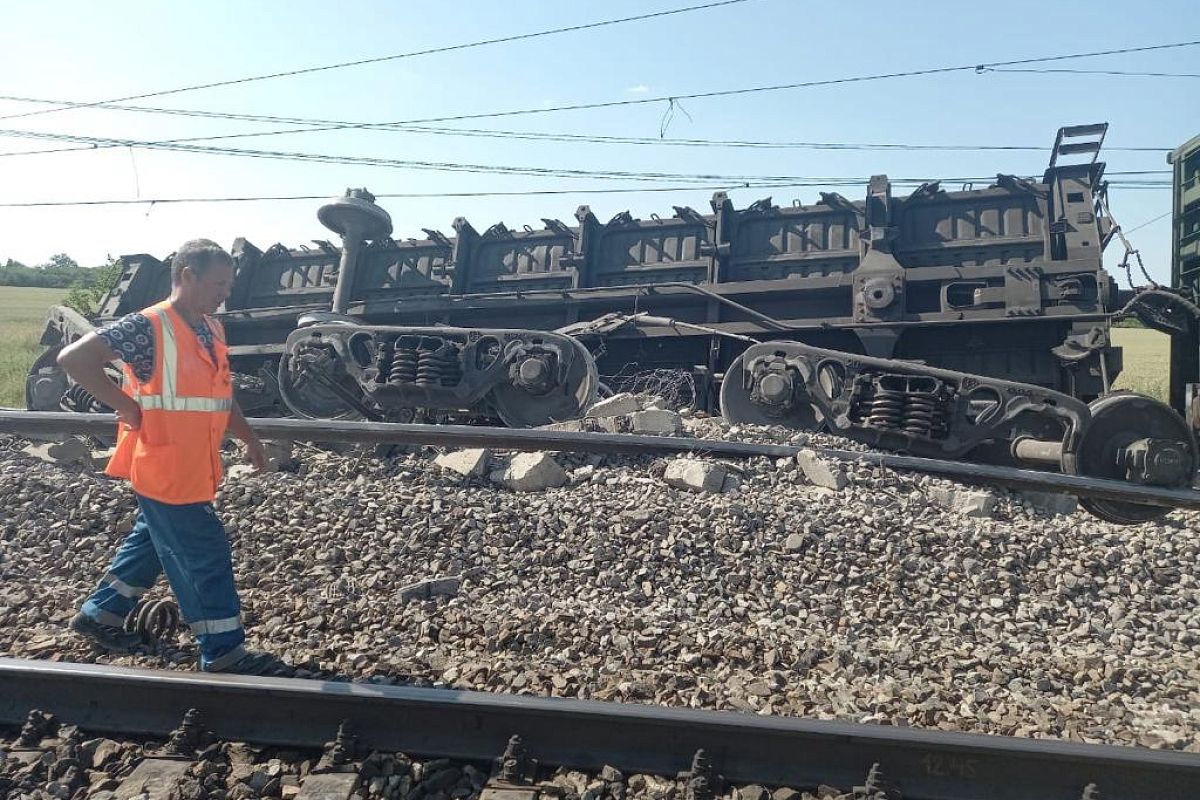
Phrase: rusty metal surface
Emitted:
{"points": [[774, 751]]}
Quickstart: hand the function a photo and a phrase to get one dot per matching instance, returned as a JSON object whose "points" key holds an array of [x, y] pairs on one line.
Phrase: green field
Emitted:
{"points": [[23, 313], [1147, 361], [22, 317]]}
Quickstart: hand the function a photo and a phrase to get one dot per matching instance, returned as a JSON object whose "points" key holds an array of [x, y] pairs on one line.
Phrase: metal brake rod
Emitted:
{"points": [[58, 423], [669, 322]]}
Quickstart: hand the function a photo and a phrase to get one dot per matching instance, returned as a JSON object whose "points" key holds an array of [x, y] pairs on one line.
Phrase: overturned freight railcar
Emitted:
{"points": [[1003, 281]]}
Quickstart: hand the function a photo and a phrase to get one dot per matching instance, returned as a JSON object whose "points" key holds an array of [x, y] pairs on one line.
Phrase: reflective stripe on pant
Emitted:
{"points": [[135, 566], [188, 542]]}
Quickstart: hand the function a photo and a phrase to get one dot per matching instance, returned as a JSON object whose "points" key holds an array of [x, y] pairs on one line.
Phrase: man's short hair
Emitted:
{"points": [[199, 254]]}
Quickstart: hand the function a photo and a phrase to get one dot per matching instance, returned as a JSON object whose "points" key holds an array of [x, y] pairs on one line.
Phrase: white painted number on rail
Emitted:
{"points": [[943, 766]]}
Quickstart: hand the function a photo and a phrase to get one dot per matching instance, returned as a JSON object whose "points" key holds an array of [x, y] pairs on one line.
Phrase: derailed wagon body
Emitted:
{"points": [[1005, 281], [966, 325]]}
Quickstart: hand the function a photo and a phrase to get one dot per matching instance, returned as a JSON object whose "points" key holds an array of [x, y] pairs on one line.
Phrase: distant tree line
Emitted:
{"points": [[87, 285], [60, 272]]}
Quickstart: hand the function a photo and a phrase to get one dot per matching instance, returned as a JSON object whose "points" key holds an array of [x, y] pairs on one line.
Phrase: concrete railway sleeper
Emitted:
{"points": [[505, 747]]}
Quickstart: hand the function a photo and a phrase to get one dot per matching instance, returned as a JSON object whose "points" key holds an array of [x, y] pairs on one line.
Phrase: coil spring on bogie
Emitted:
{"points": [[429, 368], [920, 413], [887, 410], [404, 363], [438, 367], [153, 619], [78, 399], [908, 404]]}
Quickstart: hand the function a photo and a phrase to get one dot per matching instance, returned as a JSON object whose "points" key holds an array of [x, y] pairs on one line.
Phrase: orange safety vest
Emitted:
{"points": [[175, 456]]}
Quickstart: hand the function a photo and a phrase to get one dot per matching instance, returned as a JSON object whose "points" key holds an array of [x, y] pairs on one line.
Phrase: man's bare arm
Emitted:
{"points": [[241, 429], [84, 360]]}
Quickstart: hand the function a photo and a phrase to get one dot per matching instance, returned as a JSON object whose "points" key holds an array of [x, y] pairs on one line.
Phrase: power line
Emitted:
{"points": [[498, 169], [558, 172], [395, 163], [1148, 222], [982, 67], [408, 195], [736, 143], [315, 126], [553, 137], [1119, 73], [830, 182], [411, 54], [250, 199]]}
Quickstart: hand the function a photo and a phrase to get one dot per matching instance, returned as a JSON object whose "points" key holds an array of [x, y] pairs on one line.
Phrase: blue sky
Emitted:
{"points": [[87, 51]]}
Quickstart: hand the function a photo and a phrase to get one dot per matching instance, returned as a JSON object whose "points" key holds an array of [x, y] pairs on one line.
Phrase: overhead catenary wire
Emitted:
{"points": [[315, 127], [1148, 222], [1113, 72], [378, 195], [979, 67], [412, 196], [561, 172], [739, 143], [831, 182], [409, 54], [550, 136], [557, 172]]}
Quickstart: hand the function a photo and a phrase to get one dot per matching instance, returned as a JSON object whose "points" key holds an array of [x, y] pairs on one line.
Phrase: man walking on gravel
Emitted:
{"points": [[174, 412]]}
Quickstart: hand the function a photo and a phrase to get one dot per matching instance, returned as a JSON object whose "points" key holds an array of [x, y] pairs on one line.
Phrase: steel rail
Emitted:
{"points": [[774, 751], [58, 423], [1012, 477], [50, 423]]}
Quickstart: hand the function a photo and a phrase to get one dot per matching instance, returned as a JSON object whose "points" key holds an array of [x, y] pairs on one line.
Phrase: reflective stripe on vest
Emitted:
{"points": [[170, 399], [160, 402]]}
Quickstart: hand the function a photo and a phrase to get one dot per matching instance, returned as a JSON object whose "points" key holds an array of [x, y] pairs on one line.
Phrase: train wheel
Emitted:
{"points": [[306, 397], [523, 409], [46, 384], [1132, 437], [778, 399]]}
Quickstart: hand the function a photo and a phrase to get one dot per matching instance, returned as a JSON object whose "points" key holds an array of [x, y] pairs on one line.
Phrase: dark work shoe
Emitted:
{"points": [[255, 662], [109, 637]]}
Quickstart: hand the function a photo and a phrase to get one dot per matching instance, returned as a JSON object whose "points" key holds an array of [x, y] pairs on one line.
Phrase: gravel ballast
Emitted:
{"points": [[872, 602]]}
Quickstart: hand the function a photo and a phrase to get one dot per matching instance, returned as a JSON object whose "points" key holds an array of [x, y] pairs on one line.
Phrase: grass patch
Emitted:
{"points": [[22, 319], [1147, 359]]}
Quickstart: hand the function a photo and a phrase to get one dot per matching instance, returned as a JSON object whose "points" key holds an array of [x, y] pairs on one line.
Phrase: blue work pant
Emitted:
{"points": [[188, 542]]}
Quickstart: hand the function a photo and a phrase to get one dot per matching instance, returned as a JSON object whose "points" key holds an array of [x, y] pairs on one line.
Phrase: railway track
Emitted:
{"points": [[862, 761], [38, 423]]}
